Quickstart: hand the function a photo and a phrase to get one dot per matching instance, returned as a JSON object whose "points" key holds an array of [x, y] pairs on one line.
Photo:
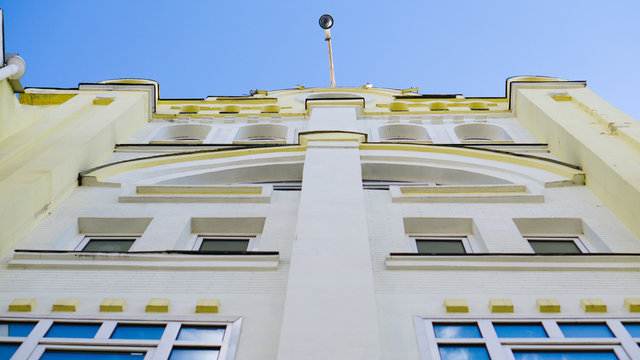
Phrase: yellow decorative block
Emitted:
{"points": [[23, 305], [230, 109], [548, 305], [113, 305], [398, 106], [207, 306], [158, 305], [102, 101], [593, 305], [65, 305], [632, 304], [501, 305], [456, 305], [270, 109]]}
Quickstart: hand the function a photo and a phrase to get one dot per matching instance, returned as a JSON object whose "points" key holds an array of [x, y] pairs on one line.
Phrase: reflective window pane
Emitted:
{"points": [[586, 330], [450, 331], [91, 355], [68, 330], [554, 247], [564, 355], [16, 329], [440, 246], [150, 332], [7, 350], [208, 334], [193, 354], [109, 245], [455, 352], [633, 329], [511, 330], [224, 245]]}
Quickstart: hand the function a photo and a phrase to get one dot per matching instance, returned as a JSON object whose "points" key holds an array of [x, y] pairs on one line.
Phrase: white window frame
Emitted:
{"points": [[622, 344], [578, 240], [252, 246], [86, 238], [468, 241], [35, 344]]}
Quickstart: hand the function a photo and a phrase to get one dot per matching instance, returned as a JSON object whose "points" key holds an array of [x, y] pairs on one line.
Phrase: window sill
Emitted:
{"points": [[511, 262], [469, 193], [147, 260]]}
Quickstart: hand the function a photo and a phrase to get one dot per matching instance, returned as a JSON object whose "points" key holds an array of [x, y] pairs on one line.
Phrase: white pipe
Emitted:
{"points": [[14, 69]]}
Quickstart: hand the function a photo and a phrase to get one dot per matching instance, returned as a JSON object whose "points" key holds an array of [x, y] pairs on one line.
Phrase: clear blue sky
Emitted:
{"points": [[199, 48]]}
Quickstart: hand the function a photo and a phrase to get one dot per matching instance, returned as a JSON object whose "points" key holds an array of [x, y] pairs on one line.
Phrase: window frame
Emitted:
{"points": [[34, 346], [251, 246], [622, 343], [578, 240], [86, 238], [468, 242]]}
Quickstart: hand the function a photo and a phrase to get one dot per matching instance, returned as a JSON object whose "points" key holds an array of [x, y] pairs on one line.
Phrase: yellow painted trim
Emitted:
{"points": [[501, 305], [456, 305], [450, 112], [44, 98], [548, 305], [576, 176], [593, 305], [220, 100], [118, 168], [331, 136], [210, 306], [483, 189], [22, 305], [158, 305], [113, 305], [102, 101], [632, 304], [71, 304], [204, 190], [404, 91]]}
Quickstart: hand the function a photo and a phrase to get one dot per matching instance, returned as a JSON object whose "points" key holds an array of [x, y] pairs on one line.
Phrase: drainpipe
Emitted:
{"points": [[14, 69]]}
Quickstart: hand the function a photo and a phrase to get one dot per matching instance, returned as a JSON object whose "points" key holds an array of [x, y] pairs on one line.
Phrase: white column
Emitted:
{"points": [[330, 310]]}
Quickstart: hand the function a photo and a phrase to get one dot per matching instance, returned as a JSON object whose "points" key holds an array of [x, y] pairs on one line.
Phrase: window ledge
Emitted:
{"points": [[469, 193], [524, 262], [147, 260]]}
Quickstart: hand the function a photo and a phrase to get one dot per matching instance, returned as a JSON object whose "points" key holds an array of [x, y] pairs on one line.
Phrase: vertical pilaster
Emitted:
{"points": [[330, 310]]}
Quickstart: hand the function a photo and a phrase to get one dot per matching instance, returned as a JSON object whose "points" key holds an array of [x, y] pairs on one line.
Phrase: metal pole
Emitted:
{"points": [[331, 73]]}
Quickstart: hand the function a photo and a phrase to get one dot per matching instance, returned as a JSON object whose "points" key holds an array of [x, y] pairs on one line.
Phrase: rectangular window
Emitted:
{"points": [[442, 245], [527, 340], [112, 339], [556, 245], [213, 243], [106, 243]]}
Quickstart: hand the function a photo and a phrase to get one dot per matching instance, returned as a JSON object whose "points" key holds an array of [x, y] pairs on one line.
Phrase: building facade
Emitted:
{"points": [[323, 223]]}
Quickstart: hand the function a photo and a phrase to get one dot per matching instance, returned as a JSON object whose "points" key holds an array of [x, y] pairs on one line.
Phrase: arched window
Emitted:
{"points": [[403, 133], [477, 133], [188, 133], [261, 133]]}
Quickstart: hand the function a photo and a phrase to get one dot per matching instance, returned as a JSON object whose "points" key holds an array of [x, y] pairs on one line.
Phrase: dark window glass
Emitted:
{"points": [[586, 330], [459, 352], [151, 332], [68, 330], [554, 247], [452, 331], [90, 355], [212, 244], [564, 355], [16, 329], [7, 350], [515, 330], [440, 246], [193, 354], [209, 334], [633, 329], [109, 245]]}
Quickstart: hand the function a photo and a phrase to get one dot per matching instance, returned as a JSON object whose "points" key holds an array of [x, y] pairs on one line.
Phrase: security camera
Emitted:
{"points": [[326, 21]]}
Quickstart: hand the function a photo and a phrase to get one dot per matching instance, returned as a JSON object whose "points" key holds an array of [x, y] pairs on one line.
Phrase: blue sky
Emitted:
{"points": [[200, 48]]}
